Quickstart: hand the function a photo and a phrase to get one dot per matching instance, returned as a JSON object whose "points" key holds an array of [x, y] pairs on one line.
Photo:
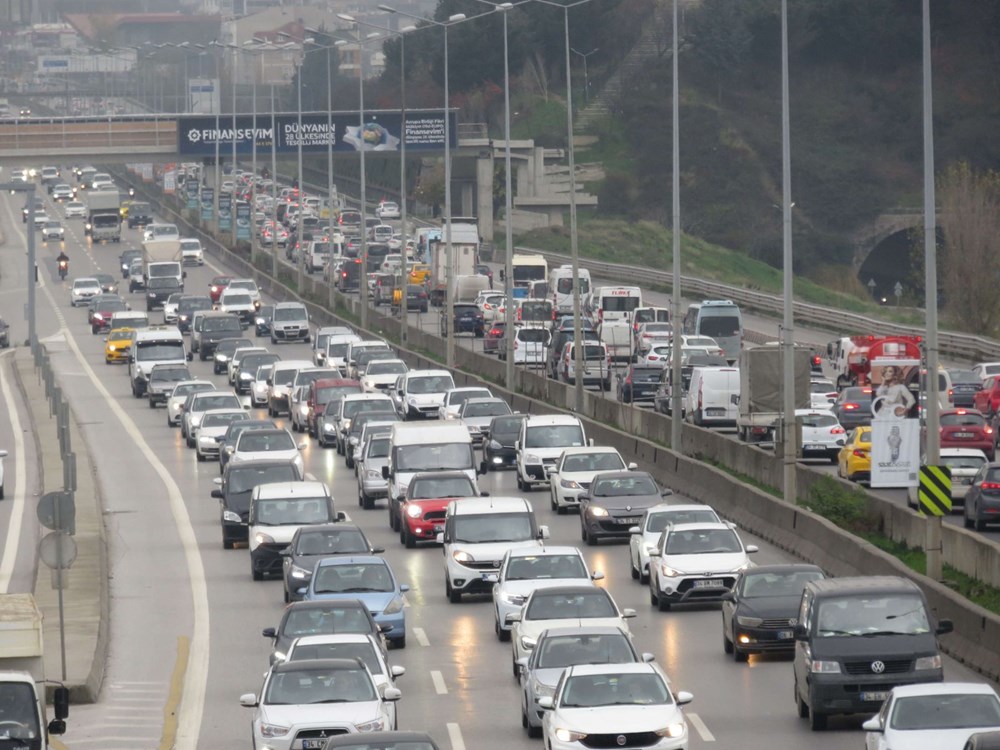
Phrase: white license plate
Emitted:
{"points": [[710, 583], [313, 744], [813, 447], [875, 696], [963, 434], [715, 412], [785, 635], [630, 521]]}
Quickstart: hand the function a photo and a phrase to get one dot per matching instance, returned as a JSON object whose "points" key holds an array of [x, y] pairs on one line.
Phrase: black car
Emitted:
{"points": [[499, 439], [853, 407], [126, 258], [262, 321], [107, 282], [139, 214], [389, 741], [235, 488], [311, 544], [4, 334], [234, 432], [562, 332], [465, 318], [162, 379], [760, 613], [416, 299], [638, 383], [224, 350], [964, 385], [218, 326], [615, 502], [188, 306], [158, 289], [247, 369], [320, 618]]}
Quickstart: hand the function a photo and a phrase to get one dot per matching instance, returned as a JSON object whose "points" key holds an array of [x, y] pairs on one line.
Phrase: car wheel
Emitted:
{"points": [[229, 544], [408, 539], [978, 523], [190, 442], [800, 705], [454, 596], [966, 520], [394, 520], [256, 574], [514, 668], [654, 597], [817, 721], [520, 484], [502, 635], [201, 458], [727, 644], [633, 570], [398, 644], [662, 603], [738, 655]]}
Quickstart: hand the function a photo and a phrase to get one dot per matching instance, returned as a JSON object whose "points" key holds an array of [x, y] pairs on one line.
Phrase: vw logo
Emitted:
{"points": [[194, 135], [878, 667], [621, 739], [793, 622]]}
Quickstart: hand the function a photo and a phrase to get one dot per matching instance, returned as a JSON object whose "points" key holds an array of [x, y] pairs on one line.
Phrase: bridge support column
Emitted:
{"points": [[484, 196]]}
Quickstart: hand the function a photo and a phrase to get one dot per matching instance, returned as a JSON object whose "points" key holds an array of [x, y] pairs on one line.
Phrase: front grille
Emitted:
{"points": [[482, 565], [632, 739], [435, 515], [316, 738], [780, 622], [584, 485], [892, 666]]}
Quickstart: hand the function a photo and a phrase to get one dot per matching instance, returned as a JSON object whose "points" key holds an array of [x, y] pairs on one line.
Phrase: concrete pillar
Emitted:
{"points": [[484, 196], [466, 197]]}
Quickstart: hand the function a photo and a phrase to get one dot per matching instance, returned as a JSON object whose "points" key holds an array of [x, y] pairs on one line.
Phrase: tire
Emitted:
{"points": [[288, 598], [226, 544], [394, 520], [152, 404], [201, 458], [409, 540], [454, 597], [516, 670], [979, 524], [800, 705], [727, 644], [817, 721], [739, 657], [633, 570], [967, 521], [502, 635], [399, 643], [584, 536], [256, 574], [190, 441], [520, 484], [662, 604]]}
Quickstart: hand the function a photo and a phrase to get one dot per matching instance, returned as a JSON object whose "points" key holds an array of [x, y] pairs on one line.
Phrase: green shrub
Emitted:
{"points": [[848, 509]]}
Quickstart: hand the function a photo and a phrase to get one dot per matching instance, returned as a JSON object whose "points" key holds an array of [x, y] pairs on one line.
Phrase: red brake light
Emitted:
{"points": [[990, 485], [860, 453], [851, 407], [961, 411], [838, 430]]}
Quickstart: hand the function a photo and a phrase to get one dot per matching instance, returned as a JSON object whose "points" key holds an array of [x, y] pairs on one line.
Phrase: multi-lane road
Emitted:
{"points": [[175, 591]]}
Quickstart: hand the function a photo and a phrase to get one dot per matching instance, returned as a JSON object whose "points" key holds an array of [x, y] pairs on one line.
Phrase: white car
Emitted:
{"points": [[648, 335], [575, 470], [493, 306], [986, 369], [822, 434], [192, 252], [160, 232], [822, 393], [525, 570], [179, 395], [696, 562], [214, 425], [238, 302], [53, 230], [3, 455], [643, 538], [933, 716], [83, 289], [259, 388], [381, 374], [62, 192], [561, 606], [200, 402], [272, 444], [614, 701], [75, 210], [317, 697], [246, 285], [455, 397], [387, 210], [964, 463], [41, 219]]}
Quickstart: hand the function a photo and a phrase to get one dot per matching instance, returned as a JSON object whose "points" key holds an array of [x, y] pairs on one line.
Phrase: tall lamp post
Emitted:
{"points": [[787, 334], [586, 77], [573, 238], [676, 355]]}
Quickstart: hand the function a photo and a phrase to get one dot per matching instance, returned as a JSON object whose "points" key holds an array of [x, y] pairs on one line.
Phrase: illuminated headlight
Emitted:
{"points": [[461, 556], [568, 484], [195, 420], [530, 458], [394, 607], [514, 599], [221, 358], [87, 226], [182, 317], [568, 735], [206, 440], [415, 511], [98, 316], [817, 666], [259, 321], [261, 538], [376, 725], [111, 347], [674, 731], [247, 376], [329, 427], [231, 516], [372, 475], [749, 622], [597, 511], [928, 662], [345, 425], [272, 730], [542, 690], [300, 573], [670, 572]]}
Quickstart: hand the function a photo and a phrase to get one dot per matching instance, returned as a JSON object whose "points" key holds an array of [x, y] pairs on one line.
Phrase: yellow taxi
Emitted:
{"points": [[117, 343], [854, 462], [419, 273], [123, 209]]}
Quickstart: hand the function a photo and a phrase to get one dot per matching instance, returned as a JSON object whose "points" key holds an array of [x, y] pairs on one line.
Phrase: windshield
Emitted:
{"points": [[428, 488], [540, 567], [18, 719], [289, 313], [434, 457], [385, 368], [430, 384], [361, 578], [310, 686], [487, 409], [306, 377], [718, 326], [588, 691], [593, 462], [550, 605], [337, 351], [564, 651], [619, 304], [963, 462], [964, 376], [702, 541], [263, 442], [378, 448], [223, 323], [506, 426], [204, 403], [822, 420], [324, 395], [242, 479], [524, 274], [184, 390], [359, 406], [363, 651], [657, 522], [332, 542], [250, 286], [389, 745], [236, 299], [192, 305], [494, 527], [554, 436], [457, 398], [159, 350], [872, 615], [326, 621], [175, 374], [947, 711], [162, 282], [220, 420], [565, 285], [768, 585], [297, 511]]}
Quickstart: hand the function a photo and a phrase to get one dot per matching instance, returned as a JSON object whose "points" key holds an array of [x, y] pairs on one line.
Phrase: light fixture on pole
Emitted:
{"points": [[217, 180], [586, 76], [300, 255]]}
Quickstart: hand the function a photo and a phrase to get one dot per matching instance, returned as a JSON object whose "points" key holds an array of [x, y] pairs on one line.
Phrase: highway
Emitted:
{"points": [[175, 591]]}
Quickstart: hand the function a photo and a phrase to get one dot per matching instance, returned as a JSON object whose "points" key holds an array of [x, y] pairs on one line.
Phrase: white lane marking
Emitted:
{"points": [[700, 727], [455, 735], [196, 675], [438, 679], [421, 637], [20, 479]]}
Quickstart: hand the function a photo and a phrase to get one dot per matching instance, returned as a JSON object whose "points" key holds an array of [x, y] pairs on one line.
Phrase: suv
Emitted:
{"points": [[541, 442], [290, 322], [466, 317], [215, 326], [158, 289]]}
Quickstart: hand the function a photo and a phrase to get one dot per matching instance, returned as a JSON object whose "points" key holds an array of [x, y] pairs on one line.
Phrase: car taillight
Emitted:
{"points": [[851, 407], [838, 430], [860, 453], [988, 430], [816, 360], [990, 485]]}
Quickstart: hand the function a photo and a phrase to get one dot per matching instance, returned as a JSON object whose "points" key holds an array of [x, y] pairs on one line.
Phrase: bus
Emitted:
{"points": [[719, 319], [526, 268], [561, 288]]}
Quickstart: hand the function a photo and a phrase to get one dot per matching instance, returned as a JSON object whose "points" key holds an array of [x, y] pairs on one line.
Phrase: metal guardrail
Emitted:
{"points": [[959, 345]]}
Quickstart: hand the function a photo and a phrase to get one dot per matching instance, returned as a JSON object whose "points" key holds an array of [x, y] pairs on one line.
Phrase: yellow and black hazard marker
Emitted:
{"points": [[934, 493]]}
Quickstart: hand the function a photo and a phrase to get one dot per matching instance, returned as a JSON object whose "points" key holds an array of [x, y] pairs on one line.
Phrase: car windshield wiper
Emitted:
{"points": [[890, 632]]}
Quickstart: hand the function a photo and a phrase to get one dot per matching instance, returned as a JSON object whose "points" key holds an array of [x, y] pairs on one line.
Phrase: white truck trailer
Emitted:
{"points": [[163, 258], [761, 396]]}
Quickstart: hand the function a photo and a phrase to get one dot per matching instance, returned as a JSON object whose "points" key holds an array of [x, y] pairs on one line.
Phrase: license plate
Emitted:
{"points": [[438, 528], [875, 696], [630, 521], [313, 744], [785, 635], [715, 412], [813, 447], [709, 583], [963, 434]]}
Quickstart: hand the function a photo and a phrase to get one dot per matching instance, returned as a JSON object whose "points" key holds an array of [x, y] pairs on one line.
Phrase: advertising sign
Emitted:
{"points": [[170, 181], [207, 200], [225, 212], [895, 453], [381, 132], [242, 221], [191, 186]]}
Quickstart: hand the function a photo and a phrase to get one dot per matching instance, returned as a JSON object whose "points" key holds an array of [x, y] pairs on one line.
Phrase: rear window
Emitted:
{"points": [[534, 335], [969, 419], [593, 352], [817, 420]]}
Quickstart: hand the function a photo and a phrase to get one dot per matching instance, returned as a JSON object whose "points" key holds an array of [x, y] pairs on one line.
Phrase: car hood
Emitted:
{"points": [[480, 423], [534, 628], [931, 739], [523, 588], [771, 607], [213, 432], [375, 601], [635, 718], [723, 562], [320, 714], [628, 505], [581, 476], [426, 399], [269, 455], [492, 551]]}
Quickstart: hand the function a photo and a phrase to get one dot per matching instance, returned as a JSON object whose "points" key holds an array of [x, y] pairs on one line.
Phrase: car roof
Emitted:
{"points": [[943, 688], [784, 568], [327, 562], [585, 449], [667, 507], [544, 551], [311, 640], [583, 630], [581, 588], [374, 738], [473, 506], [629, 667], [541, 420], [282, 490], [425, 373], [862, 585], [706, 526], [316, 664]]}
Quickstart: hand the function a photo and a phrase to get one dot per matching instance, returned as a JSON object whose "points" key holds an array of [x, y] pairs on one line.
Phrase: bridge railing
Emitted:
{"points": [[82, 133]]}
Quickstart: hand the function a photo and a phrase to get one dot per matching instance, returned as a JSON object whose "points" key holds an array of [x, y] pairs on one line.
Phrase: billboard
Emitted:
{"points": [[381, 132], [203, 93], [895, 453]]}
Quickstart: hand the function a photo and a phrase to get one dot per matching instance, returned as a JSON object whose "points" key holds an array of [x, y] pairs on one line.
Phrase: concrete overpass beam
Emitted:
{"points": [[484, 196]]}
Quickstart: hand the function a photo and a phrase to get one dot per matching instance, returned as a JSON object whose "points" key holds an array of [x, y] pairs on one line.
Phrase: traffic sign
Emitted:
{"points": [[57, 550], [934, 492], [57, 511]]}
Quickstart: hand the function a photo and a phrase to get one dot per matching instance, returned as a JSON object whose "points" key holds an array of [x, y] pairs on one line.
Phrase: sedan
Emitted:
{"points": [[982, 503], [633, 701], [478, 413], [643, 538], [270, 444], [494, 338], [117, 344], [62, 192], [319, 618], [180, 393], [53, 230], [83, 289], [197, 404], [964, 384], [822, 435], [499, 439], [387, 210], [310, 544], [615, 503], [853, 407], [306, 699], [465, 318], [933, 716], [638, 383], [368, 579], [213, 426], [574, 471], [75, 210], [761, 612], [854, 461]]}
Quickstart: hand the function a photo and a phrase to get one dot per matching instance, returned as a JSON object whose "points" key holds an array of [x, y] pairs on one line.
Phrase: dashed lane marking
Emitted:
{"points": [[421, 637], [455, 736], [438, 679], [699, 725]]}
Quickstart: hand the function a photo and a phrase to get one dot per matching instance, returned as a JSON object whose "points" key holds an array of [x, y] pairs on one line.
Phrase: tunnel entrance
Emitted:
{"points": [[899, 258]]}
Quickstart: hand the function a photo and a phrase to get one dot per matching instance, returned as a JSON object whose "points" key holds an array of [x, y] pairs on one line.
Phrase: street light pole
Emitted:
{"points": [[676, 353], [232, 190], [788, 341], [586, 77], [274, 188]]}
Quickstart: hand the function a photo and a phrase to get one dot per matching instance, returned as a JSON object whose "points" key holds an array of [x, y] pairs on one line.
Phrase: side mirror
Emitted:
{"points": [[545, 702], [628, 613], [683, 698], [286, 552], [491, 577], [632, 466], [634, 530], [597, 576], [729, 596], [549, 470], [800, 633], [385, 472], [397, 671], [439, 537], [543, 532], [666, 492], [269, 633], [248, 700], [751, 548], [511, 618], [60, 704], [302, 446], [217, 494], [391, 694], [654, 553], [944, 627], [872, 725], [403, 587], [342, 516], [648, 657]]}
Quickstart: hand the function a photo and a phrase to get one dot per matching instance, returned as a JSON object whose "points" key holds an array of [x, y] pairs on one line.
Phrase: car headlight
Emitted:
{"points": [[329, 427], [514, 599], [568, 484], [376, 725], [372, 475], [98, 316], [670, 572], [817, 666], [231, 516], [182, 317], [259, 321], [261, 538], [221, 358], [542, 690], [928, 662], [568, 735], [411, 401], [674, 731], [462, 556], [597, 511], [207, 440], [530, 458], [300, 573], [345, 425], [415, 511], [247, 376], [749, 622], [272, 730], [111, 347], [394, 607], [304, 409]]}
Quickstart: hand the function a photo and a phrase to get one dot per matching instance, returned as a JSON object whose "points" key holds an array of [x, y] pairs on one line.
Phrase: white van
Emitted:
{"points": [[160, 345], [337, 347], [616, 303], [540, 443], [468, 287], [713, 397], [561, 288], [471, 557]]}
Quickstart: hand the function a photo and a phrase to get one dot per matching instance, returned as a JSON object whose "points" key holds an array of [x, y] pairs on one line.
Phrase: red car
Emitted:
{"points": [[493, 339], [324, 390], [100, 310], [423, 509], [987, 400], [217, 286], [967, 428]]}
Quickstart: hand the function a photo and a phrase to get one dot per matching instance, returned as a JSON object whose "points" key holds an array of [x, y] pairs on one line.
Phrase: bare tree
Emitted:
{"points": [[970, 264]]}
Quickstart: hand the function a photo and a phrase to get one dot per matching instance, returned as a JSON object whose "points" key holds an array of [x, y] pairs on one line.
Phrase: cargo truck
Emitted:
{"points": [[761, 397], [465, 256], [163, 258], [104, 223], [23, 720]]}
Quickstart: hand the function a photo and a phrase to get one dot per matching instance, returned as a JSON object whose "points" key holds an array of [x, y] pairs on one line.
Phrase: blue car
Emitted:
{"points": [[368, 579]]}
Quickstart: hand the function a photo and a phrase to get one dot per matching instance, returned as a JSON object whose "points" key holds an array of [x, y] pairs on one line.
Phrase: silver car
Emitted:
{"points": [[373, 456], [196, 406], [179, 395], [214, 426], [170, 308], [478, 413], [643, 538], [260, 387]]}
